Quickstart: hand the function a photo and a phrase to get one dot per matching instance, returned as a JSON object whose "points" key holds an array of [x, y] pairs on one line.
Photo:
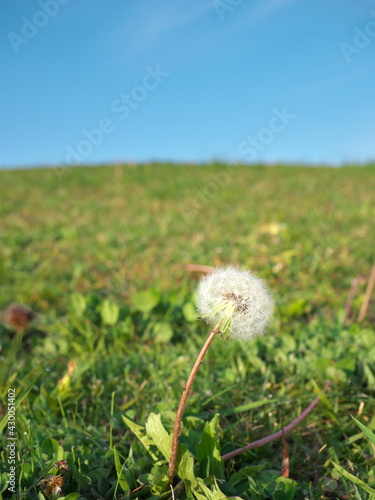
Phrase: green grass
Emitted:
{"points": [[101, 255]]}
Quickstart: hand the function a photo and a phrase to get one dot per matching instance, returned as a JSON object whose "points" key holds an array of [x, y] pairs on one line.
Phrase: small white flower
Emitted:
{"points": [[236, 300]]}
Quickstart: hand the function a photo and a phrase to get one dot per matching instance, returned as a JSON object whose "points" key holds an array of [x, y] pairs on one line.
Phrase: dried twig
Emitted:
{"points": [[285, 463], [348, 304], [199, 268], [366, 300], [274, 436]]}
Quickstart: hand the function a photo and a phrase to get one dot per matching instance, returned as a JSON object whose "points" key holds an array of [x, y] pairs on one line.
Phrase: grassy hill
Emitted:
{"points": [[102, 255]]}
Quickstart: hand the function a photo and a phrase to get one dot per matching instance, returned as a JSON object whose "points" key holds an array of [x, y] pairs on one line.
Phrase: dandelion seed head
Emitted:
{"points": [[52, 485], [236, 300], [17, 316]]}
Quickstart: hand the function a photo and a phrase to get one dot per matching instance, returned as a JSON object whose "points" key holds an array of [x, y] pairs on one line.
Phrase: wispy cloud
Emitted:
{"points": [[146, 27], [252, 15], [263, 10]]}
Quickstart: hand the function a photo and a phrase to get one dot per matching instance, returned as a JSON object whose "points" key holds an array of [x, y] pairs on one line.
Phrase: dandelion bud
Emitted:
{"points": [[236, 300]]}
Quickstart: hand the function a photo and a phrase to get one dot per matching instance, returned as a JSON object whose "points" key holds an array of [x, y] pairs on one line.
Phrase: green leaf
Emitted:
{"points": [[366, 431], [78, 303], [52, 449], [185, 462], [335, 374], [250, 471], [156, 431], [347, 364], [369, 375], [297, 308], [201, 491], [209, 448], [146, 300], [158, 479], [120, 475], [4, 478], [246, 407], [353, 479], [109, 312], [71, 496], [289, 342], [96, 474], [189, 312], [185, 467], [285, 489], [325, 401], [214, 494], [20, 398], [163, 332], [140, 433]]}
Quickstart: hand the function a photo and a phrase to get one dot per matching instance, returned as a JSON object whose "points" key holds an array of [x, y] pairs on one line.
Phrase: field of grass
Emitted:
{"points": [[102, 255]]}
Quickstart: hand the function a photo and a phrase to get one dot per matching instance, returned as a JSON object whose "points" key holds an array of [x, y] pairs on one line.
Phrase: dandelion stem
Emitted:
{"points": [[181, 407]]}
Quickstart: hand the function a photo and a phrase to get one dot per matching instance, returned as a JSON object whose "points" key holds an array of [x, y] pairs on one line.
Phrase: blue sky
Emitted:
{"points": [[187, 80]]}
